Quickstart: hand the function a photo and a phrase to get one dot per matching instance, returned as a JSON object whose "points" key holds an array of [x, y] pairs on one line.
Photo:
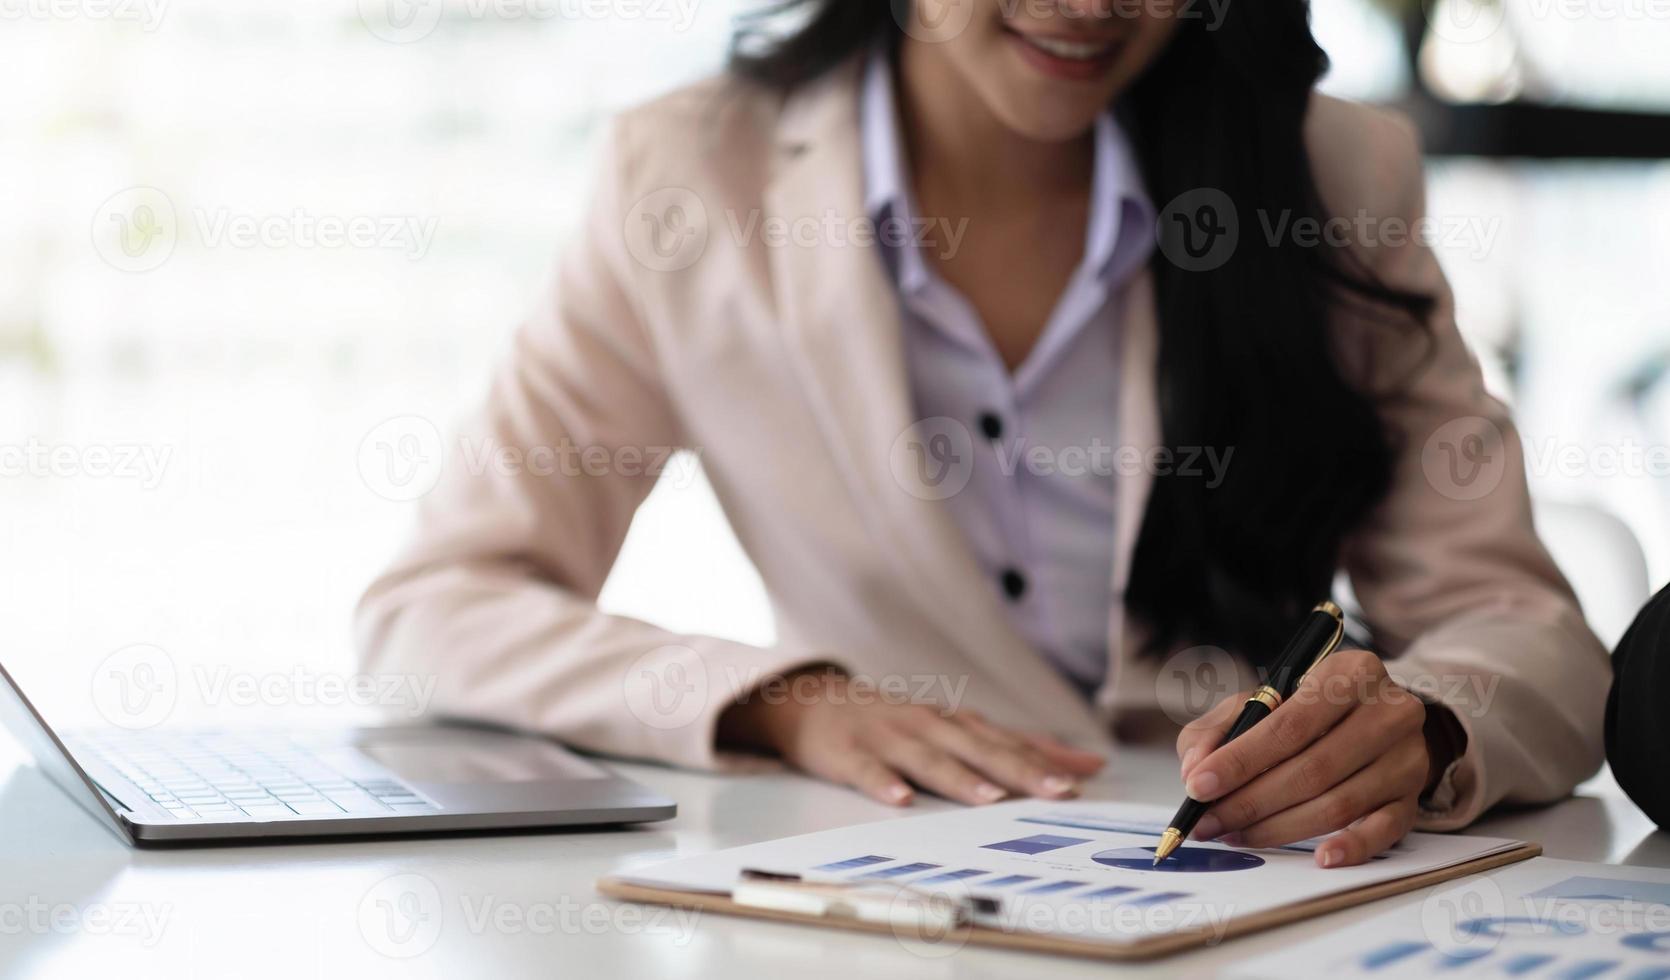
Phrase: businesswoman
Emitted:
{"points": [[1021, 475]]}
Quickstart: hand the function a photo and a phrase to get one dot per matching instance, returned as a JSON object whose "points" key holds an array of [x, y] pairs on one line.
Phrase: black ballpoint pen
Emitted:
{"points": [[1318, 636]]}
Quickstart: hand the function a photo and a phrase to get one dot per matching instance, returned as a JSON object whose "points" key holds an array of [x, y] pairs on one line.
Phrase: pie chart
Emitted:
{"points": [[1184, 859]]}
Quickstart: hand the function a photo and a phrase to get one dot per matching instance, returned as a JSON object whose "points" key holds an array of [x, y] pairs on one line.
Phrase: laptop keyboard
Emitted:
{"points": [[229, 777]]}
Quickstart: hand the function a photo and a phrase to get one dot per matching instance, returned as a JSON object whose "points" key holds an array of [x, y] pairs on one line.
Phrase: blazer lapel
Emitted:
{"points": [[841, 318], [1139, 429]]}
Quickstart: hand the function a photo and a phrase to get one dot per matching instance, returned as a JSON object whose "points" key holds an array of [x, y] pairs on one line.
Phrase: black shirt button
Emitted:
{"points": [[991, 426], [1014, 584]]}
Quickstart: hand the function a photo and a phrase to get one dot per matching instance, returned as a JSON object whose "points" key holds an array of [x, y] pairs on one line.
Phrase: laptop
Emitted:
{"points": [[157, 788]]}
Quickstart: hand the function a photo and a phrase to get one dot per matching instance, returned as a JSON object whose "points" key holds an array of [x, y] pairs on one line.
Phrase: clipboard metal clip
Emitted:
{"points": [[887, 903]]}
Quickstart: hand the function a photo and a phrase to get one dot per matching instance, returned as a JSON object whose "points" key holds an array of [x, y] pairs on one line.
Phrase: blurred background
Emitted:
{"points": [[260, 255]]}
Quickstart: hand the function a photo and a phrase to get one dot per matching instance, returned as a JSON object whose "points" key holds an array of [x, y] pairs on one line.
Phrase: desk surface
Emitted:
{"points": [[74, 901]]}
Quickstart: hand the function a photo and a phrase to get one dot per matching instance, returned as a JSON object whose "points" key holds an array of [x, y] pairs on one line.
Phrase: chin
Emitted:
{"points": [[1049, 121]]}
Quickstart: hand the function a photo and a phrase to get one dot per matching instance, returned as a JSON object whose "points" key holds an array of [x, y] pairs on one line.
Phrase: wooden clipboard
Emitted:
{"points": [[1142, 949]]}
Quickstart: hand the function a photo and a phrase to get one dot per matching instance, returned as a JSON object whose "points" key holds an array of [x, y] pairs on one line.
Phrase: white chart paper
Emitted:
{"points": [[1540, 919], [1081, 869]]}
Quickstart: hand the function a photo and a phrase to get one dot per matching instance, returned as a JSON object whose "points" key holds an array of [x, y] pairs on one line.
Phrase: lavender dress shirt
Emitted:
{"points": [[1038, 509]]}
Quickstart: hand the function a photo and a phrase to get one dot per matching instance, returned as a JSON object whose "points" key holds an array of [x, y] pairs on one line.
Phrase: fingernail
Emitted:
{"points": [[1058, 785], [1330, 856], [988, 793], [1209, 828], [1189, 759], [1203, 785], [899, 793]]}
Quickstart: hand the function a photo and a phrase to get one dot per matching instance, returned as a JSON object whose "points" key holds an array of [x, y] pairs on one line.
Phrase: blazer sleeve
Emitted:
{"points": [[1450, 574], [494, 597], [1637, 726]]}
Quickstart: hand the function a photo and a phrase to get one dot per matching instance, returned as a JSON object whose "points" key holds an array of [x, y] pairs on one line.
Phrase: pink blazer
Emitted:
{"points": [[780, 361]]}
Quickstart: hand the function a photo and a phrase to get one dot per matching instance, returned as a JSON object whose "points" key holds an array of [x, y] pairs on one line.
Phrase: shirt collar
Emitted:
{"points": [[1120, 234]]}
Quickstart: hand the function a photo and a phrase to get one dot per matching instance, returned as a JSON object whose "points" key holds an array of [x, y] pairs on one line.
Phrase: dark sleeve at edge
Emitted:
{"points": [[1638, 711]]}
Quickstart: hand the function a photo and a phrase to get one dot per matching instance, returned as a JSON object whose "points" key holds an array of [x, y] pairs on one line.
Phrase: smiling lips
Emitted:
{"points": [[1076, 59]]}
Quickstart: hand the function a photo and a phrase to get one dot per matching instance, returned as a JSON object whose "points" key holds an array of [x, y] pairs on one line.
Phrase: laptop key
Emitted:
{"points": [[315, 808], [358, 803], [268, 811]]}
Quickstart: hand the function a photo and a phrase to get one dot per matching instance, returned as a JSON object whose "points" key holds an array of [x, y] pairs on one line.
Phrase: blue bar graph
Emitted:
{"points": [[963, 875], [1112, 891], [1586, 969], [1608, 889], [1460, 959], [1008, 880], [901, 870], [1392, 953], [1655, 942], [1526, 963], [851, 863], [1051, 887], [1036, 844], [1160, 898]]}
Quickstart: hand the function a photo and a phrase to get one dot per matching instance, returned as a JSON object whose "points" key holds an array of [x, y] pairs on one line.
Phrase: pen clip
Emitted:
{"points": [[1333, 643]]}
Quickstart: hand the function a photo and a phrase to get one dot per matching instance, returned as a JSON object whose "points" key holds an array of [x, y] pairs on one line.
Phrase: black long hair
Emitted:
{"points": [[1246, 360]]}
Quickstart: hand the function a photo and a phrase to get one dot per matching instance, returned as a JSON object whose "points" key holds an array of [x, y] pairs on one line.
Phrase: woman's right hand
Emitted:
{"points": [[835, 728]]}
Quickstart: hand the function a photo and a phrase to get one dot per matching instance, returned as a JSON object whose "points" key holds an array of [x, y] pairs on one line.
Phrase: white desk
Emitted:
{"points": [[525, 905]]}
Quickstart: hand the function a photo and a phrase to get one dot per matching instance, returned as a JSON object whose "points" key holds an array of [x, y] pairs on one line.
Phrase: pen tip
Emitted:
{"points": [[1168, 843]]}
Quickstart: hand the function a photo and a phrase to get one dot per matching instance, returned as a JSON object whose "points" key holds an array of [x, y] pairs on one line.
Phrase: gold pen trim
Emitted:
{"points": [[1267, 696], [1333, 642], [1169, 842]]}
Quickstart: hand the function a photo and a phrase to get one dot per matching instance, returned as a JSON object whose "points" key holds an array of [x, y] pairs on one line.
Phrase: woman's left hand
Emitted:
{"points": [[1347, 752]]}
